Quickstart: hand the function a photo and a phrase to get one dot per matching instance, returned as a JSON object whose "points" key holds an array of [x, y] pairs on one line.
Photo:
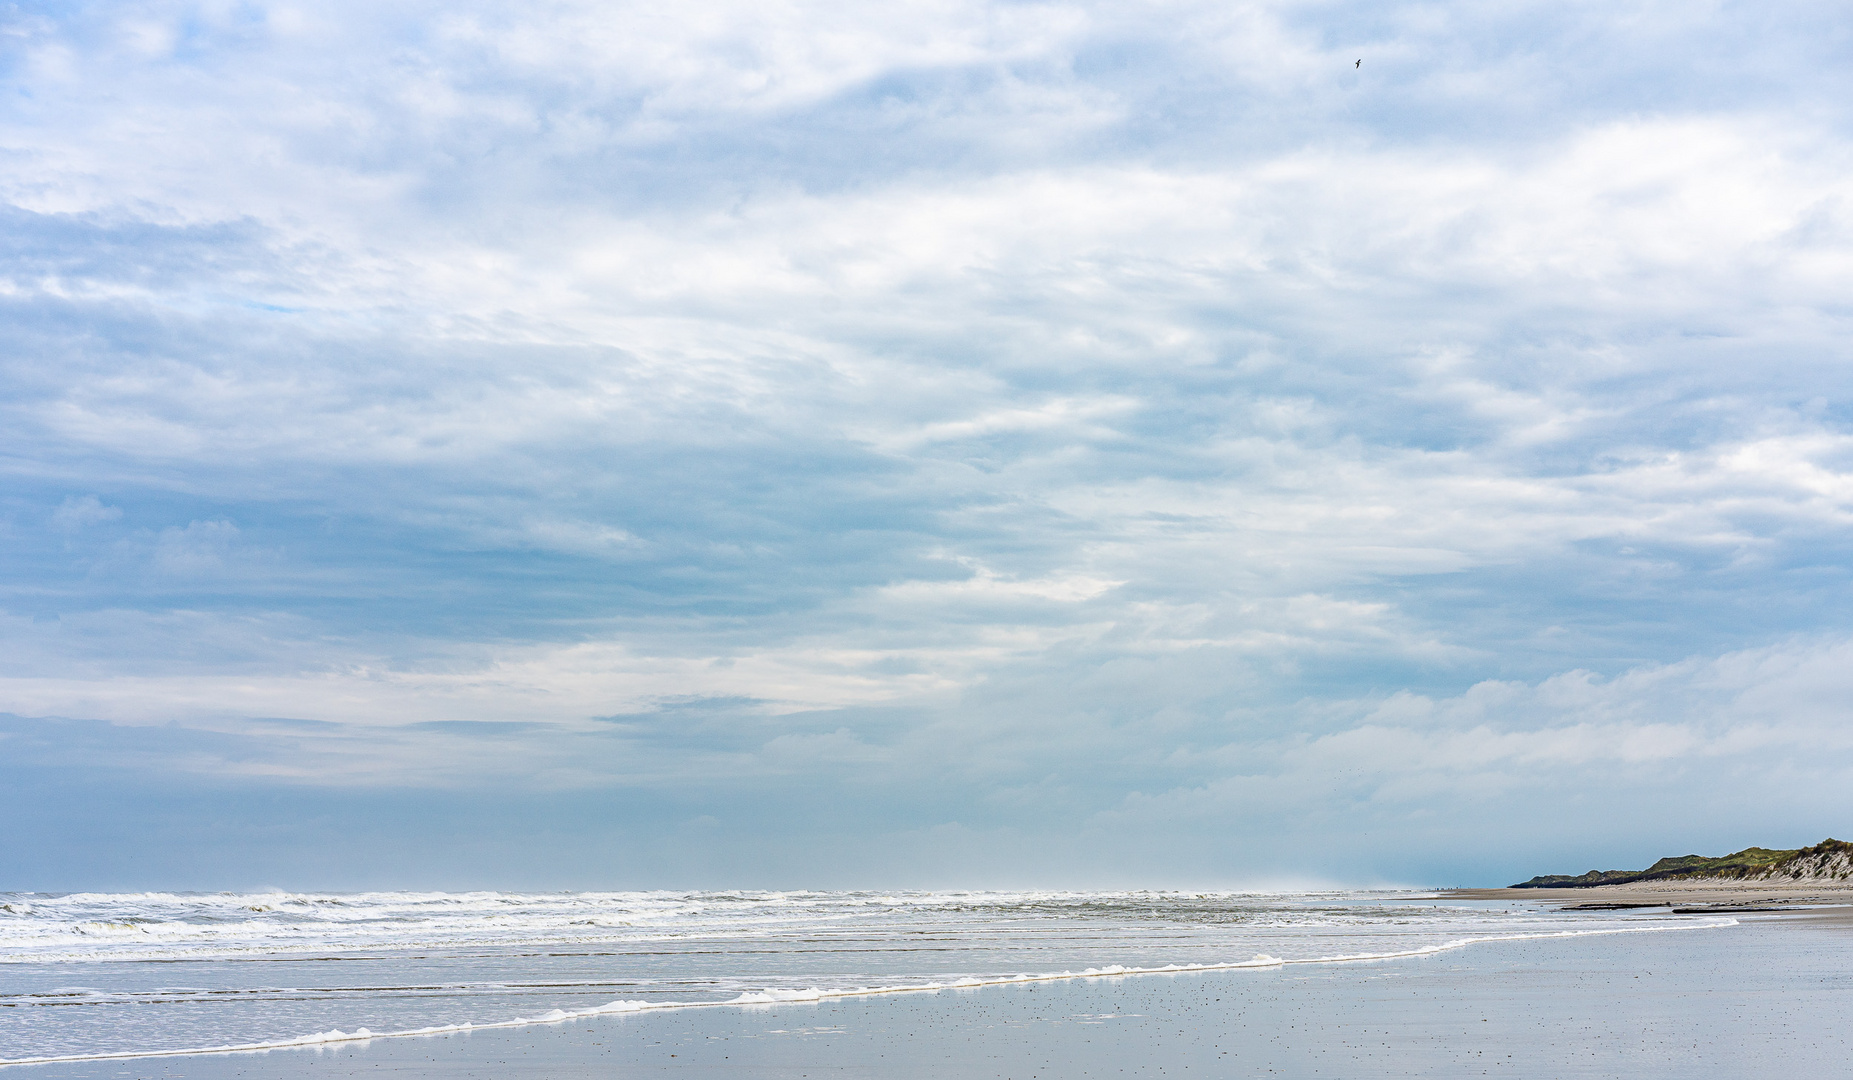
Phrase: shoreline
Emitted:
{"points": [[1811, 901], [1647, 1006], [764, 1000], [1694, 905]]}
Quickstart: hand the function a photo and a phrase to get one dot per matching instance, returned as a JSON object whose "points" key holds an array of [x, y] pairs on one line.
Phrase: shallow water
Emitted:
{"points": [[88, 974], [1756, 1000]]}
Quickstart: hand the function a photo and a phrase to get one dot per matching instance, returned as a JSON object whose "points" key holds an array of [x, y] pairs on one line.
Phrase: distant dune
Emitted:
{"points": [[1829, 860]]}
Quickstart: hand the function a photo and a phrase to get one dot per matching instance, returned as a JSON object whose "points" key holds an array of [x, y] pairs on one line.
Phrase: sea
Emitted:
{"points": [[89, 976]]}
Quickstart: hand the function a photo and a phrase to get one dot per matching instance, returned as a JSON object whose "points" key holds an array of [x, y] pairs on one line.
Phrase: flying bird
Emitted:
{"points": [[1357, 65]]}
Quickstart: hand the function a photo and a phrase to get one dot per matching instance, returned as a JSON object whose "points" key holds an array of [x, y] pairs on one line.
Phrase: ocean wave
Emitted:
{"points": [[76, 927]]}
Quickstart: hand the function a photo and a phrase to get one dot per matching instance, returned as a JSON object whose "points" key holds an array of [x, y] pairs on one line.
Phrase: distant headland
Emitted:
{"points": [[1829, 860]]}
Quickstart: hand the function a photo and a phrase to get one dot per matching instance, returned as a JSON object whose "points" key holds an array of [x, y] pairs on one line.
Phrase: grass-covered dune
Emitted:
{"points": [[1829, 860]]}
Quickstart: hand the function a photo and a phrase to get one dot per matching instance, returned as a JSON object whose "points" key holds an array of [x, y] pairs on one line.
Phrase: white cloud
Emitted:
{"points": [[1759, 717], [1104, 388]]}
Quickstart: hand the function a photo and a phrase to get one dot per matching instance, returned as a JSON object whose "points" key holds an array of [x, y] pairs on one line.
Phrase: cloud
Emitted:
{"points": [[1405, 781], [77, 512], [1100, 411]]}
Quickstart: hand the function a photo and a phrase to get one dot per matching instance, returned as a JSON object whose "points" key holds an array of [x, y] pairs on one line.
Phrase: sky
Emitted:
{"points": [[952, 444]]}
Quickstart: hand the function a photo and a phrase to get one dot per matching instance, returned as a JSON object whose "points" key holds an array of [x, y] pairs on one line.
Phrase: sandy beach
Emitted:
{"points": [[1763, 998], [1811, 901]]}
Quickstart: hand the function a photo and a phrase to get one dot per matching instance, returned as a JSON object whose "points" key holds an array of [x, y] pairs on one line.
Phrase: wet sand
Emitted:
{"points": [[1766, 998]]}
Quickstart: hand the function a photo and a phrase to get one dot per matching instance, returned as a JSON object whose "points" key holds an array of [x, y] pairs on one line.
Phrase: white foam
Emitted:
{"points": [[80, 927]]}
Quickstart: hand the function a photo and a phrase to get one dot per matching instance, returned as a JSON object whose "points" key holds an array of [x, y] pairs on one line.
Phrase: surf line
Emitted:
{"points": [[763, 998]]}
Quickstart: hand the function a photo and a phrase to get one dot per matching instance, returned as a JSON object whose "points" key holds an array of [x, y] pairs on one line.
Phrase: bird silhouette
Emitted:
{"points": [[1359, 64]]}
